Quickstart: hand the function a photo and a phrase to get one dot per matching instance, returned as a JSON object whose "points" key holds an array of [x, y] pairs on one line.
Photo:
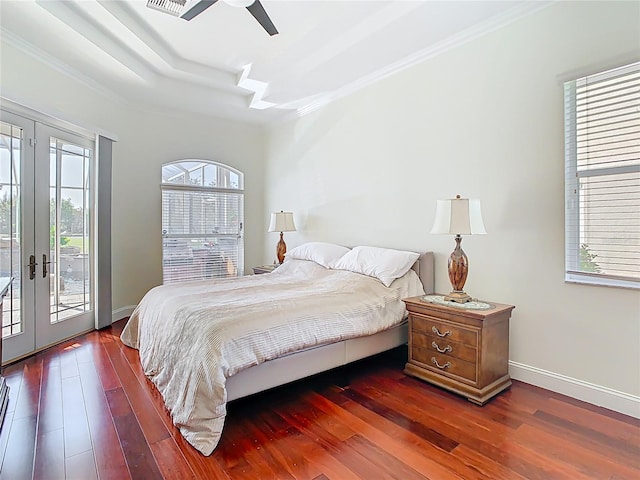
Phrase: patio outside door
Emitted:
{"points": [[45, 234]]}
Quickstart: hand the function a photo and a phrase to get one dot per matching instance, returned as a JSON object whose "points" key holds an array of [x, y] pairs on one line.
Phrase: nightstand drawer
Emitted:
{"points": [[444, 346], [445, 331], [444, 364]]}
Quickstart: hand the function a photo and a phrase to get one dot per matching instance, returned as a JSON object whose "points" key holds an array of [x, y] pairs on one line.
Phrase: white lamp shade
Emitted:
{"points": [[458, 216], [282, 222]]}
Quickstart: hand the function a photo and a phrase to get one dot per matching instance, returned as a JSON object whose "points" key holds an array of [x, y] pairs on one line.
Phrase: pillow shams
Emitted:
{"points": [[325, 254], [382, 263]]}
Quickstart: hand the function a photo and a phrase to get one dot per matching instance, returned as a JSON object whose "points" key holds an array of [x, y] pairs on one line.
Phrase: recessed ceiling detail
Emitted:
{"points": [[258, 88], [222, 63]]}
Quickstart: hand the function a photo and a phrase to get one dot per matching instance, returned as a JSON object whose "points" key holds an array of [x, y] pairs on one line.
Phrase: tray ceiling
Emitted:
{"points": [[223, 63]]}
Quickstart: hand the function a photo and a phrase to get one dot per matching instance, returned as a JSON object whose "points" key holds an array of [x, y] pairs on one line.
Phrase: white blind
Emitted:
{"points": [[602, 177], [202, 225]]}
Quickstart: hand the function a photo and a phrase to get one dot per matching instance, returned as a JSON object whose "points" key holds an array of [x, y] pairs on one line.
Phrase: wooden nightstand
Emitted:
{"points": [[264, 269], [465, 351]]}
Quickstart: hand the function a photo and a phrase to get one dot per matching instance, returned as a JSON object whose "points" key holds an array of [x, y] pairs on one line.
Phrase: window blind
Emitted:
{"points": [[602, 178], [202, 230]]}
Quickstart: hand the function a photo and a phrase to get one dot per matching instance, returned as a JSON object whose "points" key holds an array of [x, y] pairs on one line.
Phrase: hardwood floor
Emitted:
{"points": [[85, 410]]}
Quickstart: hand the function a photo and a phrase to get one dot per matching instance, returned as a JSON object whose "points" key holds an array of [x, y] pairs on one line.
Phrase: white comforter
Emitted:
{"points": [[192, 336]]}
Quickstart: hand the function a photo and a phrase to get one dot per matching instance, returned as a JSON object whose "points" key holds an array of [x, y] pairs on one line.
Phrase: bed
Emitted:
{"points": [[209, 342]]}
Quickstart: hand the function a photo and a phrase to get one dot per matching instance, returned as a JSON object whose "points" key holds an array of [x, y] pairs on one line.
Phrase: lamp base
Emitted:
{"points": [[281, 249], [458, 268], [458, 296]]}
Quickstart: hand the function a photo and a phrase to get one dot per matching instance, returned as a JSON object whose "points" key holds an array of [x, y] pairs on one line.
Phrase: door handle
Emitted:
{"points": [[32, 267], [44, 265]]}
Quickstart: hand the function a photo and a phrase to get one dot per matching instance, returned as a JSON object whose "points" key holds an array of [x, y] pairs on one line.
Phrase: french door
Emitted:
{"points": [[45, 234]]}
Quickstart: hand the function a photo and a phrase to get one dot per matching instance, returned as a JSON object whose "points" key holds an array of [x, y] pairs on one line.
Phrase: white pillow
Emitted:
{"points": [[325, 254], [382, 263]]}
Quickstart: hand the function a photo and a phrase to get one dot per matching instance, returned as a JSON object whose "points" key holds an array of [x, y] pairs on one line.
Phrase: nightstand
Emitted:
{"points": [[460, 349], [264, 269]]}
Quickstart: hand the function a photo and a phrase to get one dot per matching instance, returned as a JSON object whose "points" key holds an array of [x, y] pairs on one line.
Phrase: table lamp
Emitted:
{"points": [[458, 216], [281, 222]]}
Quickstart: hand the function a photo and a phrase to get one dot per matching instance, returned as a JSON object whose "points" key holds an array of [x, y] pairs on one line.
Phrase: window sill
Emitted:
{"points": [[601, 281]]}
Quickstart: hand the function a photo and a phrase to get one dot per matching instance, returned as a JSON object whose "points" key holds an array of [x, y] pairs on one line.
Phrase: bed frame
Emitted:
{"points": [[319, 359]]}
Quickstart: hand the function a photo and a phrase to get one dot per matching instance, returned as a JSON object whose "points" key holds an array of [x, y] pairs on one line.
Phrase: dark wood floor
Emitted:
{"points": [[85, 410]]}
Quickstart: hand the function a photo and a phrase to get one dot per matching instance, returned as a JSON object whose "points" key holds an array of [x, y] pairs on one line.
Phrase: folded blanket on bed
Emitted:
{"points": [[192, 336]]}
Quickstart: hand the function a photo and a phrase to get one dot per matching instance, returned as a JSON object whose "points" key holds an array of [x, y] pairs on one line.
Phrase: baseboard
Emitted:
{"points": [[587, 392], [121, 313]]}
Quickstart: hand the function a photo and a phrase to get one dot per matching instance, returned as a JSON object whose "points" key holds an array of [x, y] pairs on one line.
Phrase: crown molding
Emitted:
{"points": [[521, 11], [86, 26], [53, 62]]}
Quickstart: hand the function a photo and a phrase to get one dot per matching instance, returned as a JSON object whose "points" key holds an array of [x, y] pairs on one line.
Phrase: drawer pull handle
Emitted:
{"points": [[435, 330], [441, 367], [446, 349]]}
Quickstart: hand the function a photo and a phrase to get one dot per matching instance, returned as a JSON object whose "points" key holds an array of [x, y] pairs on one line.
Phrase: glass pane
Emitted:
{"points": [[201, 213], [200, 258], [5, 166], [610, 224], [210, 175], [234, 180], [70, 285], [172, 173], [72, 171], [195, 176], [10, 212]]}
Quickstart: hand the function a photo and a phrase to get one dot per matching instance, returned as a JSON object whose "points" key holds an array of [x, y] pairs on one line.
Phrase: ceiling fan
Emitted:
{"points": [[175, 7]]}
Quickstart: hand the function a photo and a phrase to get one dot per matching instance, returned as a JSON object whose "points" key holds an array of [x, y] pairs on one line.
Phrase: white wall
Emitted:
{"points": [[146, 140], [482, 120]]}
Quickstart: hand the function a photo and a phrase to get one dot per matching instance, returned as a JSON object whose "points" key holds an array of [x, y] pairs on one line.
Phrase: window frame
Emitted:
{"points": [[573, 175], [169, 187]]}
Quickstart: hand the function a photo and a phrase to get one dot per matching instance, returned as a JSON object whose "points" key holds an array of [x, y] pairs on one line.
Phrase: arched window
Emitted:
{"points": [[202, 221]]}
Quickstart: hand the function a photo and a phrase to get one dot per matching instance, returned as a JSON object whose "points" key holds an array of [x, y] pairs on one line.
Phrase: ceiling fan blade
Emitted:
{"points": [[197, 9], [257, 10]]}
